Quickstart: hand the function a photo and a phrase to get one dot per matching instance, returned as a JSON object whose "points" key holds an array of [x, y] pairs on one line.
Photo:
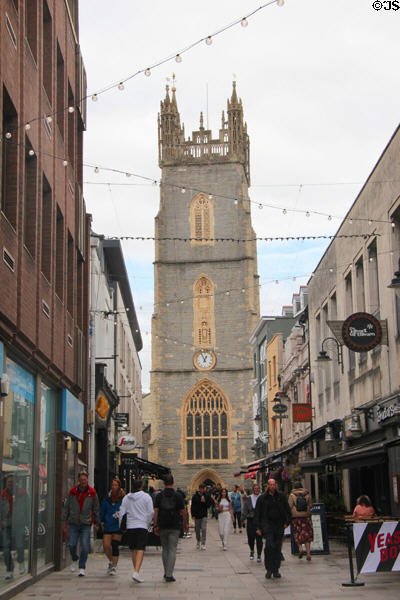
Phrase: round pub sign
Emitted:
{"points": [[361, 332]]}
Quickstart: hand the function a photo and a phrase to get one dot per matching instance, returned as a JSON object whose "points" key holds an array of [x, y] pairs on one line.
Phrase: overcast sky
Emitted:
{"points": [[319, 81]]}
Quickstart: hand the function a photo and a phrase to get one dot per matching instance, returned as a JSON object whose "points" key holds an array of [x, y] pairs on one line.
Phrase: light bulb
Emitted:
{"points": [[27, 127], [183, 190], [280, 2], [8, 135], [96, 169], [95, 98], [369, 222], [236, 202], [71, 109], [155, 182], [351, 221], [243, 290], [277, 281], [167, 304], [260, 206], [178, 58], [65, 163], [182, 301], [244, 22], [31, 153], [330, 270], [284, 212], [147, 72], [127, 174], [329, 217], [210, 196], [307, 214], [294, 278], [209, 40], [371, 259], [227, 293], [121, 86], [393, 224], [49, 119]]}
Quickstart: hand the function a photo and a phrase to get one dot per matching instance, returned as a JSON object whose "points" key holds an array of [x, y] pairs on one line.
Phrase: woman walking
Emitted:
{"points": [[225, 516], [300, 503], [109, 513], [249, 506]]}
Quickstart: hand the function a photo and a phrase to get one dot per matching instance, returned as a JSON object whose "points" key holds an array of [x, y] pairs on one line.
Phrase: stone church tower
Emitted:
{"points": [[206, 300]]}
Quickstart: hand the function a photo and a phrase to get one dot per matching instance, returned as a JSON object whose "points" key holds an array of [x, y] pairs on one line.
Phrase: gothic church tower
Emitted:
{"points": [[206, 300]]}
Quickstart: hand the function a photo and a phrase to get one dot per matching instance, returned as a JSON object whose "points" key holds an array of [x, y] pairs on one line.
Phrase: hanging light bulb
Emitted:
{"points": [[330, 270], [8, 135], [31, 153], [147, 72], [95, 98], [369, 222], [236, 202], [155, 182], [307, 214], [227, 293], [209, 40], [178, 58], [127, 174], [182, 301], [280, 2], [71, 109], [210, 196], [121, 86], [183, 190], [284, 212], [243, 290], [65, 163], [244, 22], [260, 206], [351, 221], [27, 127], [96, 169], [393, 224], [329, 217], [49, 119]]}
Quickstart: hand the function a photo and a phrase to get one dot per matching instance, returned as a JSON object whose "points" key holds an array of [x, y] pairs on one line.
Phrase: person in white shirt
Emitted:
{"points": [[249, 506], [225, 516], [138, 507]]}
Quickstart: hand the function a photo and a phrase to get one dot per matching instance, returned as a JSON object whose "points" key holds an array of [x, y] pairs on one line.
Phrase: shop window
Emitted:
{"points": [[206, 424]]}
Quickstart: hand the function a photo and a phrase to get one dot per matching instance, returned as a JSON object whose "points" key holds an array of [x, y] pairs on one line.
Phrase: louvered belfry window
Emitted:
{"points": [[201, 220]]}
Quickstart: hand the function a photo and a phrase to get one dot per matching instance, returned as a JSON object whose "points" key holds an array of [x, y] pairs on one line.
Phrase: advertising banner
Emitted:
{"points": [[302, 413], [377, 546]]}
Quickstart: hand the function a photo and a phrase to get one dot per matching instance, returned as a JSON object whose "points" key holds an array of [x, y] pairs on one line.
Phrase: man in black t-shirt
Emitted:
{"points": [[169, 509]]}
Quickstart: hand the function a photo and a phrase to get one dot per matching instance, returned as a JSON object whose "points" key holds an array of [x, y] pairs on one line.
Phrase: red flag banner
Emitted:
{"points": [[301, 413]]}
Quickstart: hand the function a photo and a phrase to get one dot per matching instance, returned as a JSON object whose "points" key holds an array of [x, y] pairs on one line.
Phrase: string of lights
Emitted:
{"points": [[241, 240], [120, 84]]}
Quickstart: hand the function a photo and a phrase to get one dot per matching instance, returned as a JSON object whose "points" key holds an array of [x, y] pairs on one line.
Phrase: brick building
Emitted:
{"points": [[206, 301], [44, 233]]}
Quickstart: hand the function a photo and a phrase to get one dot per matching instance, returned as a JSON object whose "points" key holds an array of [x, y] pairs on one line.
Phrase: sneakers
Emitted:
{"points": [[9, 575], [234, 531], [198, 546], [202, 547], [74, 566], [258, 559], [136, 577], [251, 555], [109, 568], [113, 571], [21, 568], [81, 573], [225, 547]]}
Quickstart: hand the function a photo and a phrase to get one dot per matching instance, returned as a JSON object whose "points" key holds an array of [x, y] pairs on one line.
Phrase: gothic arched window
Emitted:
{"points": [[201, 220], [203, 313], [206, 424]]}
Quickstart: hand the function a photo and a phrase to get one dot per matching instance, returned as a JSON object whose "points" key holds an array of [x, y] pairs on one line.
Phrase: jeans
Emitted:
{"points": [[169, 542], [10, 535], [200, 525], [272, 550], [81, 533], [253, 537], [237, 516]]}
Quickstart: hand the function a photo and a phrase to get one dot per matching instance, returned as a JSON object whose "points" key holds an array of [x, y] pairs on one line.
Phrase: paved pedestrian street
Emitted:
{"points": [[217, 574]]}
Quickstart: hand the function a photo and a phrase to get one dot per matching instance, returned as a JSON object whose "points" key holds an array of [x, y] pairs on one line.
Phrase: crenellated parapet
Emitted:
{"points": [[231, 145]]}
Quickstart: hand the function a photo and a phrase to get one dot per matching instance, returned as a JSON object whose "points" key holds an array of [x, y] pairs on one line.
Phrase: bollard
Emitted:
{"points": [[352, 582]]}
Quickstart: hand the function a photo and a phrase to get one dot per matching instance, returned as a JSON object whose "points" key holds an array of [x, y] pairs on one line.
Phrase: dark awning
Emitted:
{"points": [[143, 467], [372, 453]]}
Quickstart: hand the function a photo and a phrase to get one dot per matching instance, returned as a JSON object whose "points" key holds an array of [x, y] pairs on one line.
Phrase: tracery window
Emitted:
{"points": [[206, 424], [203, 313], [201, 220]]}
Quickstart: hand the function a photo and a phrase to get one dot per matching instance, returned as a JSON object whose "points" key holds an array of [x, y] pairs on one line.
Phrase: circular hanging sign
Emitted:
{"points": [[279, 408], [126, 443], [361, 332]]}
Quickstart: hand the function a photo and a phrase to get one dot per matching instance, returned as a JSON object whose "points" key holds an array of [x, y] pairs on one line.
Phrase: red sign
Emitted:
{"points": [[302, 413]]}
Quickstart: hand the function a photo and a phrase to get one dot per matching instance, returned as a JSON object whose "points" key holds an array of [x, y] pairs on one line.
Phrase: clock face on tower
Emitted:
{"points": [[204, 360]]}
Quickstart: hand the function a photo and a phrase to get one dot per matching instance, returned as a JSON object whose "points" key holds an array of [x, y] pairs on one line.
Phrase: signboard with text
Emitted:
{"points": [[377, 546], [361, 332], [302, 413]]}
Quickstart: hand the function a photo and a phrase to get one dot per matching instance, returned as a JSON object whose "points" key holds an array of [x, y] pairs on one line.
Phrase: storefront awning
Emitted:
{"points": [[367, 453], [141, 467]]}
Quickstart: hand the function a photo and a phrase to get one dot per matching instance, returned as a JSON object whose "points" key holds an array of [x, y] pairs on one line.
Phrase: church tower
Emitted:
{"points": [[206, 301]]}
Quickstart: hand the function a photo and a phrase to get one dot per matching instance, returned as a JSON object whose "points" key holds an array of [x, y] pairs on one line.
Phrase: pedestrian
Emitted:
{"points": [[81, 510], [236, 499], [272, 515], [300, 503], [139, 510], [169, 514], [363, 508], [225, 516], [249, 507], [109, 516], [199, 509], [14, 511]]}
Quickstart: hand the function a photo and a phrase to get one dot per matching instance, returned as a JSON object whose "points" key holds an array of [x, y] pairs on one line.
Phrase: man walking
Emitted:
{"points": [[236, 499], [169, 512], [199, 509], [272, 514], [81, 510], [138, 508]]}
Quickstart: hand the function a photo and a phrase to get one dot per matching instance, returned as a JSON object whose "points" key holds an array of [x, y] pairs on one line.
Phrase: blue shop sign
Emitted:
{"points": [[1, 358], [21, 382], [72, 415]]}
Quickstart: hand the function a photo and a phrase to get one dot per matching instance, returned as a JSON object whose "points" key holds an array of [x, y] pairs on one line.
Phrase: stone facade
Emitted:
{"points": [[229, 308]]}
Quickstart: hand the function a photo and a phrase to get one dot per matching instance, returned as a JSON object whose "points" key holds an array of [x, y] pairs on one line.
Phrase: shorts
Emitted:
{"points": [[136, 538], [118, 532]]}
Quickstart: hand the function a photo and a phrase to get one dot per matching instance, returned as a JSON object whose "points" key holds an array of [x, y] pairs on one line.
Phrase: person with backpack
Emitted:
{"points": [[201, 501], [138, 508], [169, 511], [300, 503]]}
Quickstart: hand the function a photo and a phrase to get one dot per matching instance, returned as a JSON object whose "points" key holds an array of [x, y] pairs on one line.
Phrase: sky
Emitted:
{"points": [[319, 81]]}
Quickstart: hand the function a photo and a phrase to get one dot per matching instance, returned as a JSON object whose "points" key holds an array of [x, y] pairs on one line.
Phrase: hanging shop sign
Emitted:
{"points": [[127, 443], [121, 418], [279, 408], [72, 415], [361, 332], [377, 546], [302, 413]]}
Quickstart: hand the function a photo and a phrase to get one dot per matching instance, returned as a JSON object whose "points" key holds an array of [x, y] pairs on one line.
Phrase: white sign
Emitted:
{"points": [[126, 443]]}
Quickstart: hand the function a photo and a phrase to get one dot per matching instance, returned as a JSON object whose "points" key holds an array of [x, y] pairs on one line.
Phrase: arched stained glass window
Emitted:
{"points": [[201, 220], [206, 418]]}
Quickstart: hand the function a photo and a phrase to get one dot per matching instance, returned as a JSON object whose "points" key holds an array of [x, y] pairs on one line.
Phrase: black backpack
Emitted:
{"points": [[167, 515], [301, 504]]}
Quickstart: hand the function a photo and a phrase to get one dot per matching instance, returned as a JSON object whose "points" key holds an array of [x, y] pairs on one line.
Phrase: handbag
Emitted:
{"points": [[123, 526]]}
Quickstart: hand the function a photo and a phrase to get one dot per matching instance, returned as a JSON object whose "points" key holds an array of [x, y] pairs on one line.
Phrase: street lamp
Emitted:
{"points": [[323, 355]]}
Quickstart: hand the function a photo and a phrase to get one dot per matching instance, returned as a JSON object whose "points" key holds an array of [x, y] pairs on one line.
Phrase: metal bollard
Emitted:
{"points": [[352, 582]]}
